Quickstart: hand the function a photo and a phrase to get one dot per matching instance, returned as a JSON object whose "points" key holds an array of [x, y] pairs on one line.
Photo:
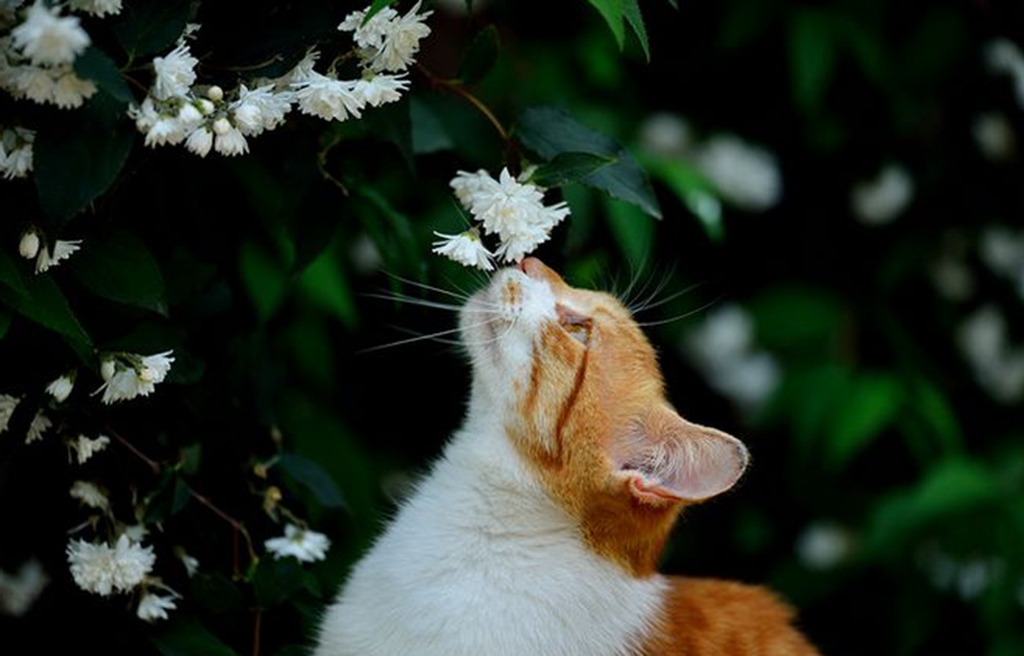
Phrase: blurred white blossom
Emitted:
{"points": [[20, 590], [8, 404], [60, 388], [97, 7], [1004, 57], [132, 375], [16, 154], [28, 246], [86, 447], [723, 349], [994, 135], [465, 248], [305, 545], [47, 38], [997, 364], [50, 257], [824, 545], [883, 199], [665, 133], [40, 424], [746, 175], [90, 495], [103, 569], [1002, 249], [154, 607]]}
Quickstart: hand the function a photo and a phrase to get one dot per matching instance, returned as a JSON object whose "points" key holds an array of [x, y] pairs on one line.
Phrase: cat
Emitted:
{"points": [[538, 531]]}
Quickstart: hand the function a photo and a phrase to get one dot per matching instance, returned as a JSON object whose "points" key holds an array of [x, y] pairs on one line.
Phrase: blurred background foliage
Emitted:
{"points": [[868, 348]]}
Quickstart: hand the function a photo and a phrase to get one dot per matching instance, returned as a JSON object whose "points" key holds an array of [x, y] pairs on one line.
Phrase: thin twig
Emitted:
{"points": [[455, 86], [257, 621], [153, 464], [235, 524]]}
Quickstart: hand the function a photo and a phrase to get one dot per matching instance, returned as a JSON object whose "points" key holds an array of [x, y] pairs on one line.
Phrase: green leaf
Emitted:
{"points": [[480, 57], [930, 406], [182, 635], [95, 65], [611, 11], [277, 579], [812, 55], [150, 26], [376, 6], [326, 284], [428, 132], [45, 304], [216, 594], [567, 168], [631, 9], [263, 277], [633, 231], [693, 190], [9, 274], [549, 132], [392, 123], [391, 232], [78, 160], [120, 267], [870, 406], [313, 476]]}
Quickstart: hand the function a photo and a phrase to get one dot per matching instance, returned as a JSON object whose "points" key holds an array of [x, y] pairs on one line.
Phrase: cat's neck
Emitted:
{"points": [[480, 560]]}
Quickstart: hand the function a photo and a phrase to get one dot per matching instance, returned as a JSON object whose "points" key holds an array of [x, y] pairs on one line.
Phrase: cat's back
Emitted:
{"points": [[709, 617]]}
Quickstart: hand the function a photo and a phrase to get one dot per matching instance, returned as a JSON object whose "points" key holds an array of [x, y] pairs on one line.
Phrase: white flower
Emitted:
{"points": [[8, 404], [189, 116], [308, 546], [465, 248], [665, 133], [746, 175], [952, 278], [36, 84], [371, 34], [401, 42], [167, 130], [994, 135], [16, 154], [175, 73], [90, 495], [47, 38], [328, 97], [823, 545], [511, 209], [200, 141], [135, 532], [301, 71], [62, 250], [133, 375], [1004, 57], [879, 201], [28, 247], [144, 115], [107, 369], [154, 607], [98, 7], [102, 569], [71, 91], [215, 93], [87, 448], [998, 365], [381, 89], [40, 424], [261, 108], [1002, 250], [60, 388], [231, 143], [19, 591], [190, 562]]}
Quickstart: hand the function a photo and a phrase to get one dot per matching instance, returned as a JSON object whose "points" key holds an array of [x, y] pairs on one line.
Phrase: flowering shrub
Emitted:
{"points": [[202, 420]]}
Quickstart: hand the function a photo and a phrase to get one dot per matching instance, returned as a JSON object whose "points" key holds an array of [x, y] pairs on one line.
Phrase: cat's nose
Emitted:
{"points": [[537, 270]]}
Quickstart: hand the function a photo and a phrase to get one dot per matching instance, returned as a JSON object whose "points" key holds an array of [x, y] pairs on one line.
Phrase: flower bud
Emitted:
{"points": [[29, 246], [189, 114], [60, 389], [221, 126], [248, 116], [215, 93], [205, 106], [107, 369]]}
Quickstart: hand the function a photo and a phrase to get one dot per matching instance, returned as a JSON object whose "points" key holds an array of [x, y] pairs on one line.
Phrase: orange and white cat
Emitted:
{"points": [[538, 531]]}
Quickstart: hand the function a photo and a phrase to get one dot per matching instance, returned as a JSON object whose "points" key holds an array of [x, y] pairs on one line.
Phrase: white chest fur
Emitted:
{"points": [[479, 562]]}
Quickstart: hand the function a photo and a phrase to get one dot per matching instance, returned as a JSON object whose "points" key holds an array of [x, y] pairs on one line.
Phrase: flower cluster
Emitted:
{"points": [[206, 118], [508, 207], [37, 57], [103, 569], [32, 246], [126, 375], [303, 544]]}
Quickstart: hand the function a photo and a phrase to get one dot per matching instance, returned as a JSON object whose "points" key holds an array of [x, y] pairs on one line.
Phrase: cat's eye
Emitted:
{"points": [[577, 325]]}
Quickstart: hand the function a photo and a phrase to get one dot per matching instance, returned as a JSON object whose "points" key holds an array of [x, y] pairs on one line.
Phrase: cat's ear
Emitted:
{"points": [[665, 458]]}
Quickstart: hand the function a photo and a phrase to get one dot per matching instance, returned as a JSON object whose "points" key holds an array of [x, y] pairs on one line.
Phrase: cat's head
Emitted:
{"points": [[581, 396]]}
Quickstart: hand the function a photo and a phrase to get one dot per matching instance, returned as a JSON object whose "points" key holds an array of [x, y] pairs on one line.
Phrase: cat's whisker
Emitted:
{"points": [[423, 285], [669, 298], [660, 287], [413, 300], [679, 317], [634, 277], [420, 338]]}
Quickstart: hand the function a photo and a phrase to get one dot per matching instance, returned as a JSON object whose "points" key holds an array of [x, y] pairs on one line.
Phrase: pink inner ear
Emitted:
{"points": [[677, 460]]}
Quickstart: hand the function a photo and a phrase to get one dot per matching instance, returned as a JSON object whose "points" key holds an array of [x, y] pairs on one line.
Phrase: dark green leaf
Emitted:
{"points": [[95, 65], [631, 10], [191, 456], [325, 282], [313, 476], [376, 6], [78, 160], [611, 11], [567, 168], [277, 579], [46, 305], [5, 322], [182, 635], [263, 277], [633, 231], [696, 193], [393, 124], [120, 267], [812, 54], [9, 274], [872, 403], [480, 57], [428, 132], [150, 26], [170, 496], [933, 409], [549, 132], [390, 230], [215, 593]]}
